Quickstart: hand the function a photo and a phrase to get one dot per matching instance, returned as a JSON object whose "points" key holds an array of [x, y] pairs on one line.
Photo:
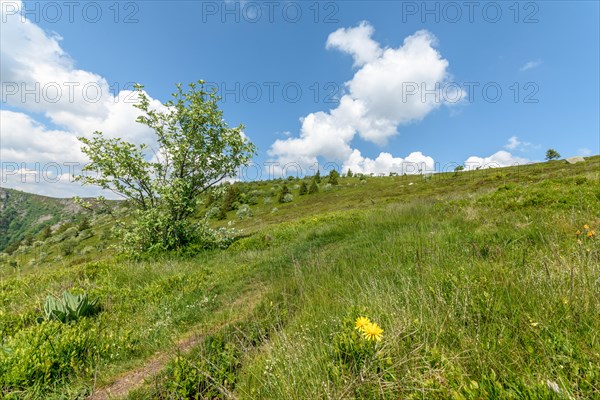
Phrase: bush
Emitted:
{"points": [[303, 189], [283, 195], [231, 196], [333, 177], [314, 188], [68, 247], [244, 212]]}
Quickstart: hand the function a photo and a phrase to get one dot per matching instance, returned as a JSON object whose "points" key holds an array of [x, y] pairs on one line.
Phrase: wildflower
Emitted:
{"points": [[591, 233], [578, 233], [372, 331], [586, 227], [361, 322]]}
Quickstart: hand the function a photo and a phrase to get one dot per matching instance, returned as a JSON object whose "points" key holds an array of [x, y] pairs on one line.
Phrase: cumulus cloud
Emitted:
{"points": [[39, 77], [26, 140], [392, 87], [414, 163], [499, 159], [357, 42]]}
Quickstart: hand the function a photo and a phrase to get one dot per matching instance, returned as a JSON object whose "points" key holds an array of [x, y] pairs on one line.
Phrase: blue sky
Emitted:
{"points": [[544, 56]]}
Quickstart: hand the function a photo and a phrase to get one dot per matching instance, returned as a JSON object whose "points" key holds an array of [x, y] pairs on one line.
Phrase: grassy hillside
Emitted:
{"points": [[25, 216], [486, 285]]}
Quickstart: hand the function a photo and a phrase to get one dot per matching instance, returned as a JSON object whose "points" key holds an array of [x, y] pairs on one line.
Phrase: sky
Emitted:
{"points": [[371, 86]]}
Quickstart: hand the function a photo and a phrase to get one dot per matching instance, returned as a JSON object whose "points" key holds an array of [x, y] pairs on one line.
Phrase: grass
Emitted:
{"points": [[479, 280]]}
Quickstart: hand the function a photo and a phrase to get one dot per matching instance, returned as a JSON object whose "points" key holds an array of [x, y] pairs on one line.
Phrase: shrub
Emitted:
{"points": [[231, 196], [283, 194], [333, 177], [67, 247], [314, 188], [317, 177], [244, 212], [84, 224], [303, 189], [213, 212]]}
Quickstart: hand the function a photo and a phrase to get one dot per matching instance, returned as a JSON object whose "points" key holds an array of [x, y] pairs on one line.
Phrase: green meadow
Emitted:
{"points": [[486, 284]]}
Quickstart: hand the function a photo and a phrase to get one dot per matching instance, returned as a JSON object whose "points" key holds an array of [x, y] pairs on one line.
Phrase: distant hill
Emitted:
{"points": [[25, 215]]}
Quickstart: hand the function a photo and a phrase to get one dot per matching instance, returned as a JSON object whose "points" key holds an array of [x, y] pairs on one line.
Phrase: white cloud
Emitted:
{"points": [[499, 159], [414, 163], [38, 76], [585, 152], [515, 144], [392, 87], [26, 140], [356, 42], [530, 65]]}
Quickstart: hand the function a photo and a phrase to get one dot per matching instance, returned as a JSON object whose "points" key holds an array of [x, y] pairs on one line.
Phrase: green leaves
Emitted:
{"points": [[69, 307], [193, 150]]}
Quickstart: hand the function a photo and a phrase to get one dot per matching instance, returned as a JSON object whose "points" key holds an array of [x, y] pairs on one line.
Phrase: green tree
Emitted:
{"points": [[552, 154], [195, 150], [333, 177], [303, 189], [317, 177], [84, 224], [314, 187], [350, 174]]}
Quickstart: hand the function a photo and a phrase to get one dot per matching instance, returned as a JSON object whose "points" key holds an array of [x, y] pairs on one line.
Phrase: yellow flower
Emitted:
{"points": [[591, 233], [372, 331], [586, 227], [361, 322], [578, 233]]}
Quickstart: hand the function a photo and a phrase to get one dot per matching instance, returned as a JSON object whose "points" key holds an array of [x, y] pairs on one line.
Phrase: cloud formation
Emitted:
{"points": [[39, 77], [414, 163], [499, 159], [392, 87]]}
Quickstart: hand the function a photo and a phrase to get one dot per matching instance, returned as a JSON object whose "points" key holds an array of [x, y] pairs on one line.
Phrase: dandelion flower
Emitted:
{"points": [[361, 322], [578, 233], [591, 233], [372, 331], [586, 227]]}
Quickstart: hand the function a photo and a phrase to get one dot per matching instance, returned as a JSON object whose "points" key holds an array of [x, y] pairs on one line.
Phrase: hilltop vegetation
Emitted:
{"points": [[485, 283], [24, 216]]}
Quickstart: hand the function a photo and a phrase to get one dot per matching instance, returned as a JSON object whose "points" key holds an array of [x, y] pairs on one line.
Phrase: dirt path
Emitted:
{"points": [[134, 379]]}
